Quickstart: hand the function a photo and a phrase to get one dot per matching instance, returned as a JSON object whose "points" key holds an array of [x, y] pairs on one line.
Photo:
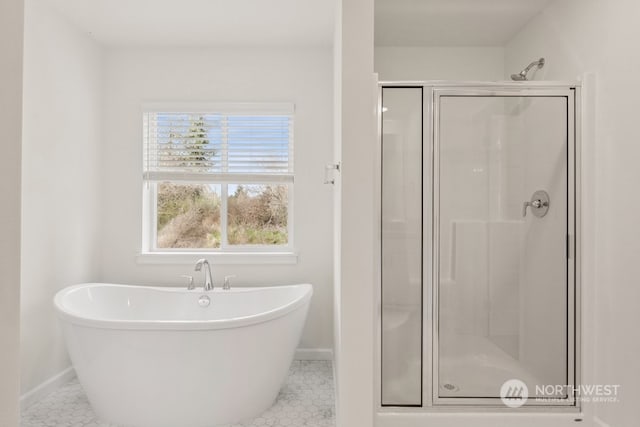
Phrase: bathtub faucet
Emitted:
{"points": [[208, 281]]}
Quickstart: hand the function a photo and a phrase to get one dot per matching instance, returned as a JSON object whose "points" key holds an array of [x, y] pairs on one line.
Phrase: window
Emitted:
{"points": [[218, 178]]}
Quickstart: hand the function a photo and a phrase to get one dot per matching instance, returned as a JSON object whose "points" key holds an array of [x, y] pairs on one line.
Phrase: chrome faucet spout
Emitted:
{"points": [[208, 281]]}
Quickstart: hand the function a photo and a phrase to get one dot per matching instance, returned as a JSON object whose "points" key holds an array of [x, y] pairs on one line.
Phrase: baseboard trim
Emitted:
{"points": [[314, 354], [50, 385], [599, 423]]}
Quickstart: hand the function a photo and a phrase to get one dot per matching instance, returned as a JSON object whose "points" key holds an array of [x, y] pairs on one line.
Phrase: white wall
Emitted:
{"points": [[299, 75], [60, 176], [355, 284], [337, 200], [11, 39], [578, 36], [439, 63]]}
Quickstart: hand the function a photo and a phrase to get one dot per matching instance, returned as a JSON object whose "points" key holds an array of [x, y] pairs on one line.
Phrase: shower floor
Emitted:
{"points": [[306, 399], [474, 366]]}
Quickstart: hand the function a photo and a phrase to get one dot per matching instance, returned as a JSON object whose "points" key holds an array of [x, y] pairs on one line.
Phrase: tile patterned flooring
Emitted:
{"points": [[307, 399]]}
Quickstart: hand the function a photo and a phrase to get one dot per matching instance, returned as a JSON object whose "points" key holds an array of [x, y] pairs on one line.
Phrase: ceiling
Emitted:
{"points": [[203, 22], [295, 22], [451, 22]]}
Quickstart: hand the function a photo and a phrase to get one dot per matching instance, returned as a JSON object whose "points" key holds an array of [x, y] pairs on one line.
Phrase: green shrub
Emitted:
{"points": [[189, 216]]}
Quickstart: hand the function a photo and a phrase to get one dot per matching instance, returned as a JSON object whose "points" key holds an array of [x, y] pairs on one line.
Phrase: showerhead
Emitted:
{"points": [[522, 75]]}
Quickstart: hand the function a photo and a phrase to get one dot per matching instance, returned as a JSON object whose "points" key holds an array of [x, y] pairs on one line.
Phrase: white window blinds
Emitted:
{"points": [[234, 143]]}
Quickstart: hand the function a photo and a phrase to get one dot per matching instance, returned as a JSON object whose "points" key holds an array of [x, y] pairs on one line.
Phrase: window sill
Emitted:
{"points": [[179, 258]]}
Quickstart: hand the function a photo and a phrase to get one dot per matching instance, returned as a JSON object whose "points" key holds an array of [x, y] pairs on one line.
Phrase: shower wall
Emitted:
{"points": [[472, 173], [480, 241], [538, 157]]}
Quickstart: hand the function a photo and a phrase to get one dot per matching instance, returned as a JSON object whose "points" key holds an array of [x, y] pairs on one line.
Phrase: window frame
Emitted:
{"points": [[231, 254]]}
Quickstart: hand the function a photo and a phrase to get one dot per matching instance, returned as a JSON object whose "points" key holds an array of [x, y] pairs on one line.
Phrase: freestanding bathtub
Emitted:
{"points": [[162, 357]]}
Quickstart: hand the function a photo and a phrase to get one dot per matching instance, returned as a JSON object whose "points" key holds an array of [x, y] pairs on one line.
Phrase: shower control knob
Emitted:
{"points": [[539, 204]]}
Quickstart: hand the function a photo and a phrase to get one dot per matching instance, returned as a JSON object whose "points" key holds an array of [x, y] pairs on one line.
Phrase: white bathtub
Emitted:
{"points": [[153, 357]]}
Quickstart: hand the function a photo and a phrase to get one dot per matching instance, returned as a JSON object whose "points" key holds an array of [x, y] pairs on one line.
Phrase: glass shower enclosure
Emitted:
{"points": [[478, 220]]}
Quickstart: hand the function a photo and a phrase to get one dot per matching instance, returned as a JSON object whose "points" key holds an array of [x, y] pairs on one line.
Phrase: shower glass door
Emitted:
{"points": [[401, 246], [504, 227]]}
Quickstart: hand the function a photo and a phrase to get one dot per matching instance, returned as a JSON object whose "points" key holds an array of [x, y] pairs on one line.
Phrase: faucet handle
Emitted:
{"points": [[200, 263], [190, 286], [227, 282]]}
